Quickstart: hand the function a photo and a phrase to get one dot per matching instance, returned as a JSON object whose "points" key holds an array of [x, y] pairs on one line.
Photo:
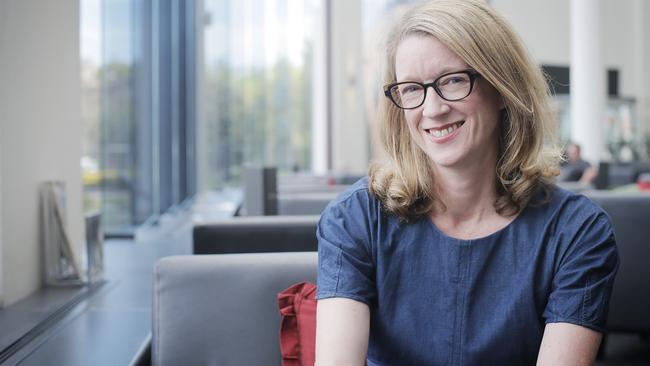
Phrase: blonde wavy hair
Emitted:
{"points": [[528, 153]]}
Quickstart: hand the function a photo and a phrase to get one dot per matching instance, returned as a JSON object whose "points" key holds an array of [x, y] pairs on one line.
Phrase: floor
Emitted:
{"points": [[109, 327]]}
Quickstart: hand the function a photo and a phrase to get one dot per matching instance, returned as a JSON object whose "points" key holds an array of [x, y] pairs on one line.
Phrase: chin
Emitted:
{"points": [[445, 160]]}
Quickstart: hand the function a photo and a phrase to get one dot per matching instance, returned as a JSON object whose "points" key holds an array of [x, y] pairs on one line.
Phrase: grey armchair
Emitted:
{"points": [[629, 309], [222, 309]]}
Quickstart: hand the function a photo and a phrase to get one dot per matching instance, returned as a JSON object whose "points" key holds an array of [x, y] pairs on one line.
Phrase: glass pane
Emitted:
{"points": [[107, 105], [258, 89], [90, 47], [117, 113]]}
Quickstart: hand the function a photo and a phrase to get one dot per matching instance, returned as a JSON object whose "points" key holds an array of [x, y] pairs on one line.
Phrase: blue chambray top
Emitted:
{"points": [[437, 300]]}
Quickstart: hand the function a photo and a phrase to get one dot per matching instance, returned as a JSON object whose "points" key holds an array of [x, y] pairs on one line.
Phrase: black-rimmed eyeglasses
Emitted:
{"points": [[452, 86]]}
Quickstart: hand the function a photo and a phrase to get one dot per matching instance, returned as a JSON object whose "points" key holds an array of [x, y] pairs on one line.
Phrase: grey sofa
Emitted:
{"points": [[222, 309], [617, 174], [630, 304], [306, 203], [256, 234]]}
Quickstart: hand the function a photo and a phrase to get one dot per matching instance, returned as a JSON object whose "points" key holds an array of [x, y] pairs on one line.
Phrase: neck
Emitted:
{"points": [[468, 193]]}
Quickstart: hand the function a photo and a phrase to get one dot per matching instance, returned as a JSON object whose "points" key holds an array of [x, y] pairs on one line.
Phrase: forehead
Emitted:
{"points": [[423, 58]]}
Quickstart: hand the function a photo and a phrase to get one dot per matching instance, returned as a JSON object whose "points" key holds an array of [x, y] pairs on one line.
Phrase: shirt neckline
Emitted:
{"points": [[496, 233]]}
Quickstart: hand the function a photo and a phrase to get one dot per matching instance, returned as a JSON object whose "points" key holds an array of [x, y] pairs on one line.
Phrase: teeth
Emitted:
{"points": [[446, 131]]}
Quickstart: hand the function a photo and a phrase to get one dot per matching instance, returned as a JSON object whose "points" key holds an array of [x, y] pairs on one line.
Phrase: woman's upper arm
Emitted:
{"points": [[582, 284], [576, 311], [346, 280], [568, 344], [342, 331]]}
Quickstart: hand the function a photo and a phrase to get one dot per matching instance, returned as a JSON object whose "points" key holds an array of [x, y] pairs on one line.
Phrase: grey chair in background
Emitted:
{"points": [[306, 203], [256, 234]]}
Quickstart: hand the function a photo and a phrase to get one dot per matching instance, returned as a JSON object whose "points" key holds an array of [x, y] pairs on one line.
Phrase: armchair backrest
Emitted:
{"points": [[222, 309], [256, 234], [630, 214]]}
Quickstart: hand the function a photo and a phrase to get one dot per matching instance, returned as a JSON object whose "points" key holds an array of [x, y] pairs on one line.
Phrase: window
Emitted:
{"points": [[257, 94], [138, 108], [253, 100]]}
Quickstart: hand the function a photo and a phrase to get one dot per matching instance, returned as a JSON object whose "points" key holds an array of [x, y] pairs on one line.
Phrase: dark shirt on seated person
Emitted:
{"points": [[572, 171]]}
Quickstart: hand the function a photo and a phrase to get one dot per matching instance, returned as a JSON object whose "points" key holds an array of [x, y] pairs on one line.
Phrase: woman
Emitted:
{"points": [[460, 250]]}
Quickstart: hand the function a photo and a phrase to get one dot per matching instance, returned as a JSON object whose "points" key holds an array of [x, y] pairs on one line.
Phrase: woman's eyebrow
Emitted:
{"points": [[445, 70]]}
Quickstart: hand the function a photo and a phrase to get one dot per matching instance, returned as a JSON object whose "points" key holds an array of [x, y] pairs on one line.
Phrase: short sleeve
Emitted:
{"points": [[345, 265], [583, 284]]}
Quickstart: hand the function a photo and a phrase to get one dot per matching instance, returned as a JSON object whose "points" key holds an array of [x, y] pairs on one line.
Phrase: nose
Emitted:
{"points": [[434, 105]]}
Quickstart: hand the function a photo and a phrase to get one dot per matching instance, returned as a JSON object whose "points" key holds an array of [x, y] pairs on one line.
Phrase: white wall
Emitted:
{"points": [[622, 42], [40, 130], [543, 26], [625, 37]]}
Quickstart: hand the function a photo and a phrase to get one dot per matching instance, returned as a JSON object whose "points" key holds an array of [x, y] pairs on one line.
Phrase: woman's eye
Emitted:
{"points": [[410, 89], [453, 80]]}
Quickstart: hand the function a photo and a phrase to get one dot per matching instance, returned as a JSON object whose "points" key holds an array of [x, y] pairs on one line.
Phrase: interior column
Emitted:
{"points": [[588, 92]]}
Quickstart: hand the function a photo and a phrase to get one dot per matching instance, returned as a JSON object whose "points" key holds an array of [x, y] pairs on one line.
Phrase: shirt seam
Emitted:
{"points": [[329, 294], [586, 298], [339, 259], [348, 194], [465, 294], [575, 321]]}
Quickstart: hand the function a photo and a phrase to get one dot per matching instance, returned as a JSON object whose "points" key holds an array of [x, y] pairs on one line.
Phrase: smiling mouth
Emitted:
{"points": [[445, 130]]}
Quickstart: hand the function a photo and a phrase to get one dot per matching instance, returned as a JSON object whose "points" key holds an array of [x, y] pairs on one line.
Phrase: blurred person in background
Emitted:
{"points": [[574, 168]]}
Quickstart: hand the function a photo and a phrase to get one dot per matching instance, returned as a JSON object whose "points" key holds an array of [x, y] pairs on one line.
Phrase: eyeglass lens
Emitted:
{"points": [[450, 87]]}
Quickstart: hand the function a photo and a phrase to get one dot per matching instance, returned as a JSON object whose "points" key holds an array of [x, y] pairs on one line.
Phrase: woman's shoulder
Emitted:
{"points": [[360, 187], [571, 203], [357, 196], [568, 211], [356, 203]]}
